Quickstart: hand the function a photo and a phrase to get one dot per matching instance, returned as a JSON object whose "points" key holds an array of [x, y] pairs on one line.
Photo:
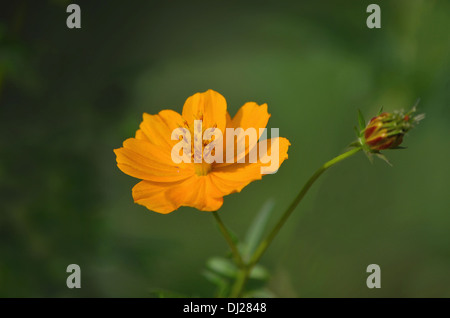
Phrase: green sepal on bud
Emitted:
{"points": [[385, 131]]}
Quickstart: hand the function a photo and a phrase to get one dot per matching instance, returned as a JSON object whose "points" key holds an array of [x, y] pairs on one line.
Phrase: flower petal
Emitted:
{"points": [[234, 177], [224, 136], [144, 160], [157, 129], [152, 195], [198, 192], [250, 115], [209, 106]]}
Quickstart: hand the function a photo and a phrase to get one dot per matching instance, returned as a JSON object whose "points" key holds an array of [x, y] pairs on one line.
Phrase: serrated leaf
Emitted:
{"points": [[361, 120], [222, 266], [256, 230]]}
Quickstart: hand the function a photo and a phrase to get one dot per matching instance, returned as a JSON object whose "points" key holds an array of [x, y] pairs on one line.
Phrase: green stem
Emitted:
{"points": [[229, 239], [240, 282], [244, 273]]}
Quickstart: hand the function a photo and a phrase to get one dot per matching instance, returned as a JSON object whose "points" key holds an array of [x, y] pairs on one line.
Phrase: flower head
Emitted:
{"points": [[385, 131], [210, 164]]}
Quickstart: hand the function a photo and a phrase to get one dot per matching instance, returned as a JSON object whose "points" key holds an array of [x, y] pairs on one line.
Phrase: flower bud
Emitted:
{"points": [[386, 130]]}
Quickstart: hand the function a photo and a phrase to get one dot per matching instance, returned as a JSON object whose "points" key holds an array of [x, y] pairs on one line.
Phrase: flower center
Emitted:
{"points": [[199, 147], [202, 169]]}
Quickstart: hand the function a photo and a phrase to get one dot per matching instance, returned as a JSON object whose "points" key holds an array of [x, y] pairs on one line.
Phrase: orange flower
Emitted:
{"points": [[167, 185]]}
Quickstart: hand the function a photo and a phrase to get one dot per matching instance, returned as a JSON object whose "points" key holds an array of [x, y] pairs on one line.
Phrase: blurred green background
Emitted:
{"points": [[69, 97]]}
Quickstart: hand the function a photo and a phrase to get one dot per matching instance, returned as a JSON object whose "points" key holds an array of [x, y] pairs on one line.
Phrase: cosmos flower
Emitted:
{"points": [[168, 184], [386, 130]]}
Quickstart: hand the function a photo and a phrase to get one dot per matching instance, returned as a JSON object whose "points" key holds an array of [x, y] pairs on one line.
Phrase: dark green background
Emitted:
{"points": [[69, 97]]}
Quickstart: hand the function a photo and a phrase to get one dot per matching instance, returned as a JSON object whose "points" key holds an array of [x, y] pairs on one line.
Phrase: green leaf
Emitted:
{"points": [[383, 157], [214, 278], [222, 284], [222, 266], [259, 272], [260, 293], [380, 111], [256, 230], [369, 155], [361, 120]]}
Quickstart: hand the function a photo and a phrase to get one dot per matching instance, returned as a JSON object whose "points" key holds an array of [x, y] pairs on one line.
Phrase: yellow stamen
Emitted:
{"points": [[202, 169]]}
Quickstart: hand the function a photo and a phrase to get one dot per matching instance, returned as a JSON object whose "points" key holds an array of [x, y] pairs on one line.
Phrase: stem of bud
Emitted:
{"points": [[245, 271]]}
